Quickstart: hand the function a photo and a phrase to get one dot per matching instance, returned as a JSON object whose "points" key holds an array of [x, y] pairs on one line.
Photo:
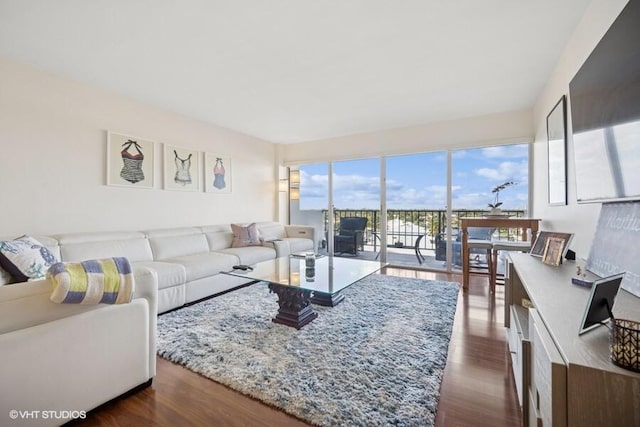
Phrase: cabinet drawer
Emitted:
{"points": [[548, 376], [517, 337], [532, 420]]}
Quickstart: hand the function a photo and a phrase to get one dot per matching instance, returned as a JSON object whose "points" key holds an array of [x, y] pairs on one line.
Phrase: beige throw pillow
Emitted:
{"points": [[245, 236]]}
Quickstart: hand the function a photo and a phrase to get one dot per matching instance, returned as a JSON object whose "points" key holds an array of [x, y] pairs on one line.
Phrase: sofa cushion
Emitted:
{"points": [[174, 242], [252, 254], [206, 264], [169, 274], [133, 245], [25, 258], [270, 230], [218, 236]]}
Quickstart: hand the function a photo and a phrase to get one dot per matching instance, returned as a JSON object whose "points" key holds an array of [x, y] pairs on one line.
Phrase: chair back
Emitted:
{"points": [[350, 225], [480, 233]]}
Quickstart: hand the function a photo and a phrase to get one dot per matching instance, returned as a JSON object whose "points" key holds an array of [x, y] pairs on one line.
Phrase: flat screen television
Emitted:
{"points": [[605, 114]]}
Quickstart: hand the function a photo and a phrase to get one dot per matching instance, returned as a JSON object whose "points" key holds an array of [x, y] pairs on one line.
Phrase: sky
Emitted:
{"points": [[419, 181]]}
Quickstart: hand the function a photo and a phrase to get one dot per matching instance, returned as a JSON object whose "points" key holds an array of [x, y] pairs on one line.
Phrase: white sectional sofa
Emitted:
{"points": [[187, 260], [69, 357]]}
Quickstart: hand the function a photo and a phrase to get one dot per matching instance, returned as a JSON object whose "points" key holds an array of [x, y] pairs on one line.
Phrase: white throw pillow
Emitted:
{"points": [[25, 258]]}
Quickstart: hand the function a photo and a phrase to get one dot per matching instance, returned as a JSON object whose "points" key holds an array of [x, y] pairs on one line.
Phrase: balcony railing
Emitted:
{"points": [[404, 226]]}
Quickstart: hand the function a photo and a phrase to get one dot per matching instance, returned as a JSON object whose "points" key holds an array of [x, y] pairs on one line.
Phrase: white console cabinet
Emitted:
{"points": [[562, 378]]}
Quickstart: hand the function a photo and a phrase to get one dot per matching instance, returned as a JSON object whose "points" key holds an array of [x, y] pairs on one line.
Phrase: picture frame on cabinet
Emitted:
{"points": [[553, 251], [600, 304], [537, 249]]}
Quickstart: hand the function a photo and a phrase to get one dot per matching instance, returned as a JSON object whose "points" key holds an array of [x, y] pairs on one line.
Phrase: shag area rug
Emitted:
{"points": [[375, 359]]}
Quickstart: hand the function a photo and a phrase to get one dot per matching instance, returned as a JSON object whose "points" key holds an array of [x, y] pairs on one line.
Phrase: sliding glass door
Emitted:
{"points": [[356, 208], [477, 173], [416, 200], [405, 209]]}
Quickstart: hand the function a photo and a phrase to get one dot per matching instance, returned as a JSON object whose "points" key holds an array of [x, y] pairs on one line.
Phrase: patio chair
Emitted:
{"points": [[350, 235]]}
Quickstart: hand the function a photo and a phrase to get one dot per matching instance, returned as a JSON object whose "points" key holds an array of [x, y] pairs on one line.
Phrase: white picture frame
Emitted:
{"points": [[181, 168], [130, 161], [217, 173]]}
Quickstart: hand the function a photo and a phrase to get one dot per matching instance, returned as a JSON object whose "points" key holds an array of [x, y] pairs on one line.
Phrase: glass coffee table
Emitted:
{"points": [[298, 287]]}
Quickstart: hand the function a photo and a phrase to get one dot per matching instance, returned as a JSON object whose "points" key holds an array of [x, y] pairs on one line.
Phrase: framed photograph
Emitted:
{"points": [[537, 249], [553, 251], [181, 169], [130, 161], [556, 151], [217, 173], [600, 304]]}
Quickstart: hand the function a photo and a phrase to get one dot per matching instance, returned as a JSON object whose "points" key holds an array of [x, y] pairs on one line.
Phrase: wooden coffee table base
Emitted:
{"points": [[295, 306], [326, 299]]}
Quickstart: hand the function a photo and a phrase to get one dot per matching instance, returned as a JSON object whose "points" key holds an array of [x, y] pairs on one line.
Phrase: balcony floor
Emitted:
{"points": [[404, 257]]}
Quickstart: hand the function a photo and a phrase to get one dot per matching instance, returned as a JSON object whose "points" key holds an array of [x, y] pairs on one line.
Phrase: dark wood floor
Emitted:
{"points": [[477, 389]]}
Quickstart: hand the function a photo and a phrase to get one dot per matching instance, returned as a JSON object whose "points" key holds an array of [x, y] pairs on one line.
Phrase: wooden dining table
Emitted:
{"points": [[528, 230]]}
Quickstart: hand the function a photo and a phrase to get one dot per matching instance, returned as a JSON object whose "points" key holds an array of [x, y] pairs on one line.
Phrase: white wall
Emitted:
{"points": [[580, 219], [492, 129], [53, 160]]}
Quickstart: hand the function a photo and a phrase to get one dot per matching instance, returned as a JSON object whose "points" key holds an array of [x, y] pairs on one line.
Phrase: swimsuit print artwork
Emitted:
{"points": [[129, 161], [181, 169], [217, 173], [132, 163]]}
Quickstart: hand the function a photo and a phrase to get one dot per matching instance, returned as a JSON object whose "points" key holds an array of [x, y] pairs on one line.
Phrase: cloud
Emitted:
{"points": [[506, 171], [506, 151], [472, 189], [314, 186], [430, 197]]}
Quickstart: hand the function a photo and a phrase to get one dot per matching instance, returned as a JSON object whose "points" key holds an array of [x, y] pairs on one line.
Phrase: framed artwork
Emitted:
{"points": [[537, 249], [553, 251], [556, 151], [217, 173], [181, 169], [130, 161]]}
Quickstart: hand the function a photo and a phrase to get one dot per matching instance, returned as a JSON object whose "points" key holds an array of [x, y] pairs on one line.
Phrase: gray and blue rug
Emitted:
{"points": [[375, 359]]}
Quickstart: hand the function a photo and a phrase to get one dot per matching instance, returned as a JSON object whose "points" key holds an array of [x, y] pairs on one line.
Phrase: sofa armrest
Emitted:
{"points": [[147, 288], [23, 305], [27, 304], [281, 246], [302, 231]]}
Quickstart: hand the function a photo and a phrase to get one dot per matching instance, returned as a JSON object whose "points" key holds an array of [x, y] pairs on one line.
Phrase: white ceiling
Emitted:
{"points": [[300, 70]]}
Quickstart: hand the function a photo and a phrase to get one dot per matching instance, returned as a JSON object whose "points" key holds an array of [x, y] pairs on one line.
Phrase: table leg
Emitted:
{"points": [[327, 300], [465, 261], [494, 272], [295, 306], [416, 248]]}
